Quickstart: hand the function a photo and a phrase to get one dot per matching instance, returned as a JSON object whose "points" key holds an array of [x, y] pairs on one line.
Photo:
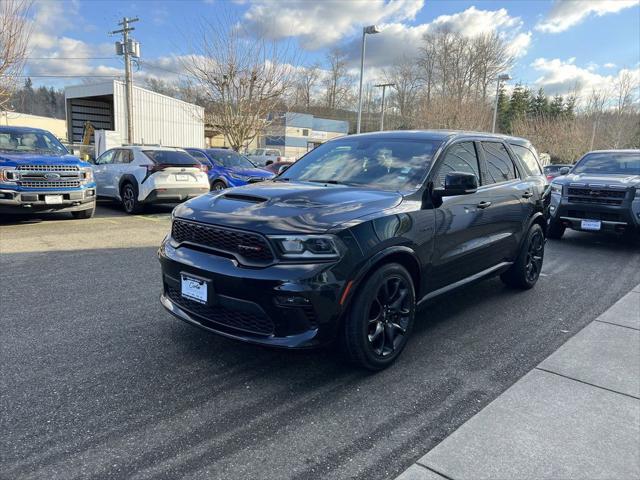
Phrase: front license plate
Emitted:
{"points": [[53, 199], [591, 225], [182, 178], [194, 289]]}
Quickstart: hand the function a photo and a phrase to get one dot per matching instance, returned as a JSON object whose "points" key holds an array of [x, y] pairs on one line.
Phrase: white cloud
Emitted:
{"points": [[566, 13], [609, 65], [321, 24], [561, 77]]}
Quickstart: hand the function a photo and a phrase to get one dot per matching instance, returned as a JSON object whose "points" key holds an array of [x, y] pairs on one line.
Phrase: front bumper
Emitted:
{"points": [[283, 305], [31, 200]]}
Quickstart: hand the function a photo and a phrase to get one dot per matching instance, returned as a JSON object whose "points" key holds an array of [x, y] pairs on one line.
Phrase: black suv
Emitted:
{"points": [[600, 193], [348, 241]]}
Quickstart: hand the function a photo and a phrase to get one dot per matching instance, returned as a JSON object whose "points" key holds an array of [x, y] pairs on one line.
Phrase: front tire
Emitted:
{"points": [[130, 203], [218, 185], [381, 318], [524, 273]]}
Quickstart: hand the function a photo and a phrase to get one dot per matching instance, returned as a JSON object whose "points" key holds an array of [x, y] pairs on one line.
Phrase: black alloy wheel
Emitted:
{"points": [[218, 185], [380, 318], [535, 255], [130, 199], [525, 271]]}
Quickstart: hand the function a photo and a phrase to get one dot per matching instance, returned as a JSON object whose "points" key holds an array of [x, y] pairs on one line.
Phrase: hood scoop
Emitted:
{"points": [[239, 197]]}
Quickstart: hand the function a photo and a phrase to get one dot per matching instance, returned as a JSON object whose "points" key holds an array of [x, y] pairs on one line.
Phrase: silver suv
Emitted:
{"points": [[142, 175]]}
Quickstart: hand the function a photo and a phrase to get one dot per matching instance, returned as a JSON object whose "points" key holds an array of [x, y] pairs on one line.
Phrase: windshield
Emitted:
{"points": [[387, 164], [30, 141], [625, 163], [170, 157], [229, 158]]}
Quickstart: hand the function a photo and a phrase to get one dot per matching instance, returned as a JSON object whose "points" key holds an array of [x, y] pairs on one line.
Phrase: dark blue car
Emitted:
{"points": [[228, 168]]}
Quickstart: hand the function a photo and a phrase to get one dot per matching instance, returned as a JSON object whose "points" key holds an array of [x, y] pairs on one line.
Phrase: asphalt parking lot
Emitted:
{"points": [[98, 381]]}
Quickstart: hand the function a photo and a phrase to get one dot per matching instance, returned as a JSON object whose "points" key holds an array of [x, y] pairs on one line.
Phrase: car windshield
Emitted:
{"points": [[387, 164], [229, 158], [625, 163], [30, 141], [170, 157]]}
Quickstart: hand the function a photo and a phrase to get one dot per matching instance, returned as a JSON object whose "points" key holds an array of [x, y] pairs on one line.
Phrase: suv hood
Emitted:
{"points": [[39, 159], [282, 207], [620, 180]]}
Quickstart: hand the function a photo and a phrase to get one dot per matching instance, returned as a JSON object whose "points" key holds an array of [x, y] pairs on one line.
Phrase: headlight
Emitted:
{"points": [[87, 174], [238, 177], [556, 188], [299, 247], [9, 175]]}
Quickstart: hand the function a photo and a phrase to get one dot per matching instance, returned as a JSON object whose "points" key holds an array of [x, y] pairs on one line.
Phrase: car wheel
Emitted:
{"points": [[524, 273], [129, 195], [88, 213], [381, 317], [555, 230], [218, 185]]}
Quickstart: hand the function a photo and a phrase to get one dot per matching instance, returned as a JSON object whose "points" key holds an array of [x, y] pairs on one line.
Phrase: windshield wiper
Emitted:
{"points": [[332, 182]]}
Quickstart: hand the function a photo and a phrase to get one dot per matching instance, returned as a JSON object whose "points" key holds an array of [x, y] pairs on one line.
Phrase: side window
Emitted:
{"points": [[461, 157], [106, 158], [528, 158], [124, 156], [199, 156], [500, 167]]}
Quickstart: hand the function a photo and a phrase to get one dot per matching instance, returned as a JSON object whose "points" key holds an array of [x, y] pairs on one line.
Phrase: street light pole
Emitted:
{"points": [[128, 50], [505, 77], [371, 29], [384, 87]]}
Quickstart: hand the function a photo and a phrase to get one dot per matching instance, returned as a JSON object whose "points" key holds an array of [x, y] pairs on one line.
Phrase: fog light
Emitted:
{"points": [[292, 300], [90, 193], [552, 209]]}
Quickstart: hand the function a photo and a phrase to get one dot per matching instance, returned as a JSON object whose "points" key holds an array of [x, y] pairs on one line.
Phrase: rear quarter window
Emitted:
{"points": [[170, 157], [527, 157]]}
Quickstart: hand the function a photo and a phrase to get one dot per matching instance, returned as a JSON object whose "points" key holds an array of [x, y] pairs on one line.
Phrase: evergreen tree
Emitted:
{"points": [[570, 107], [540, 104], [557, 106], [503, 121]]}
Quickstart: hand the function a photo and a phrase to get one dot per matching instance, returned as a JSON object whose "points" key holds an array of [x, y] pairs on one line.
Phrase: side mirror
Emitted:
{"points": [[283, 168], [564, 170], [458, 183]]}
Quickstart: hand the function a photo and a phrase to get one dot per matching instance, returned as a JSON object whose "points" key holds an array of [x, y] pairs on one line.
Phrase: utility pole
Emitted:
{"points": [[384, 88], [500, 78], [370, 30], [128, 48]]}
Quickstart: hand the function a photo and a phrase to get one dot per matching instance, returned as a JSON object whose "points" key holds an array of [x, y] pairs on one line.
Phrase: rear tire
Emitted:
{"points": [[555, 230], [129, 196], [218, 185], [82, 214], [524, 273], [381, 318]]}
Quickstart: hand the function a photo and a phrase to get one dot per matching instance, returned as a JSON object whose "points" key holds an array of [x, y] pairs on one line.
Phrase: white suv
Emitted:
{"points": [[141, 175]]}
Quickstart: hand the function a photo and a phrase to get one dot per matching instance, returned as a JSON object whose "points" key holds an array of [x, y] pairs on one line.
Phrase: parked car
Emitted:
{"points": [[352, 238], [228, 168], [527, 154], [600, 193], [37, 174], [553, 171], [278, 167], [265, 156], [141, 175]]}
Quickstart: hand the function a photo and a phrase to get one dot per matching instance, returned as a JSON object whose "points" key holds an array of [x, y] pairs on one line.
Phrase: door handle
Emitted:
{"points": [[527, 195], [484, 204]]}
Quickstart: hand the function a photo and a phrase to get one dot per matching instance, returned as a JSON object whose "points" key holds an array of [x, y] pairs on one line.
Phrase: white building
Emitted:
{"points": [[157, 119]]}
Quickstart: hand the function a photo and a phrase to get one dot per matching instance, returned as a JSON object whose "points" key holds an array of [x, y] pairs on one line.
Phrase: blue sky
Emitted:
{"points": [[560, 45]]}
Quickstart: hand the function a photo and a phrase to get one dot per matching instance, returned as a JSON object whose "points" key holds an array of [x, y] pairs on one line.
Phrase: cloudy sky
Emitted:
{"points": [[560, 44]]}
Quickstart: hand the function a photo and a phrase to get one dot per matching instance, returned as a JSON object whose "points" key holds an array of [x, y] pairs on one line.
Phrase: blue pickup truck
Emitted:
{"points": [[37, 174]]}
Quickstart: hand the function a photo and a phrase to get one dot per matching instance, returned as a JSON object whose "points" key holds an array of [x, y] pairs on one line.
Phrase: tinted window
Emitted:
{"points": [[528, 158], [201, 157], [627, 163], [552, 168], [170, 157], [500, 168], [230, 159], [461, 157], [106, 158], [382, 163]]}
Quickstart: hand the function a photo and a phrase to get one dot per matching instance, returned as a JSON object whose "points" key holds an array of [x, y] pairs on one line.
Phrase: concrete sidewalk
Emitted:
{"points": [[575, 416]]}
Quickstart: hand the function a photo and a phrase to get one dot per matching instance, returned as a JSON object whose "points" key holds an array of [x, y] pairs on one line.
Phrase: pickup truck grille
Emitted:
{"points": [[49, 168], [599, 196], [47, 184], [245, 245]]}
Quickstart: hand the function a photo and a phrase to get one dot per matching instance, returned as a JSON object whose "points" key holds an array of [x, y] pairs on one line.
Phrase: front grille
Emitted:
{"points": [[49, 168], [596, 196], [604, 216], [251, 247], [46, 184], [245, 321]]}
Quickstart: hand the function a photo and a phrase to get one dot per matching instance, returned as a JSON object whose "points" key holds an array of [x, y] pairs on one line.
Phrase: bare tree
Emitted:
{"points": [[14, 36], [244, 76], [337, 82], [306, 81], [406, 79]]}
